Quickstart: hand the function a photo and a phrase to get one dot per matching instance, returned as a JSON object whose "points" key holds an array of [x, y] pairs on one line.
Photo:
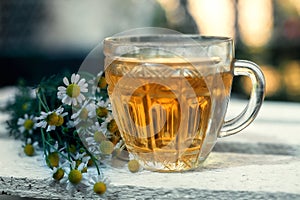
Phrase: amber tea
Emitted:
{"points": [[162, 122], [170, 92]]}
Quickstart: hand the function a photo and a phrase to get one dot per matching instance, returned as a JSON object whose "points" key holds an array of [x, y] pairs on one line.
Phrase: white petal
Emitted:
{"points": [[85, 159], [42, 124], [75, 78], [90, 139], [81, 82], [80, 98], [50, 128], [77, 121], [81, 166], [72, 78], [35, 144], [22, 129], [74, 101], [54, 170], [84, 89], [75, 115], [21, 121], [66, 81], [67, 100], [59, 110], [73, 165], [85, 182], [62, 88], [64, 179], [61, 95], [64, 114], [95, 179]]}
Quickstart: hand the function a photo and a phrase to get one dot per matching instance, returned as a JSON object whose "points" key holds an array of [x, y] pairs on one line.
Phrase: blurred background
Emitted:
{"points": [[41, 38]]}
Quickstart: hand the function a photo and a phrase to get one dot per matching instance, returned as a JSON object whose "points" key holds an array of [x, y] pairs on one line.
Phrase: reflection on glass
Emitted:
{"points": [[273, 81]]}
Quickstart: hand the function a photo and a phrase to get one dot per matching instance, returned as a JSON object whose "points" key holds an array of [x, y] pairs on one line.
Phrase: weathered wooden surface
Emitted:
{"points": [[261, 162]]}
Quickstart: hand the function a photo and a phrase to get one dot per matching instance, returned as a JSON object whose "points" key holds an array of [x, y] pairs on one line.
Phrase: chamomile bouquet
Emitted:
{"points": [[68, 118]]}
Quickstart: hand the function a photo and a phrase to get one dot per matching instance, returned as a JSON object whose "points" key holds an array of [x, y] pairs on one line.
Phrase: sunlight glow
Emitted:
{"points": [[255, 21], [174, 12], [292, 78], [296, 3], [213, 17]]}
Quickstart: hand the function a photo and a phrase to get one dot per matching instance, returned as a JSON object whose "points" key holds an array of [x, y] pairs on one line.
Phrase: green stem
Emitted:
{"points": [[60, 153], [43, 137], [44, 99], [69, 155], [45, 106], [44, 146], [94, 161], [58, 137]]}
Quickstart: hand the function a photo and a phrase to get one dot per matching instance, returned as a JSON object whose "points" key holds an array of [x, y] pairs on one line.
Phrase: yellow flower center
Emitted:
{"points": [[60, 121], [55, 120], [112, 126], [101, 112], [28, 124], [84, 170], [73, 90], [53, 159], [78, 162], [90, 163], [29, 150], [100, 188], [75, 176], [106, 147], [84, 114], [133, 166], [59, 174], [99, 136], [102, 83], [52, 119], [115, 138]]}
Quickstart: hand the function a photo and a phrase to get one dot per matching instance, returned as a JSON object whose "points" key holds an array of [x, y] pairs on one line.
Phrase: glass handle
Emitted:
{"points": [[253, 71]]}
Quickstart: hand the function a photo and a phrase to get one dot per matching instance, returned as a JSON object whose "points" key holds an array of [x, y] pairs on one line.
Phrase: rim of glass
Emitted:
{"points": [[165, 40]]}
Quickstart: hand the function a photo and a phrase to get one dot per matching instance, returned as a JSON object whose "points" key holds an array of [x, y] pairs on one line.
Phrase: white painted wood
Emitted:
{"points": [[261, 162]]}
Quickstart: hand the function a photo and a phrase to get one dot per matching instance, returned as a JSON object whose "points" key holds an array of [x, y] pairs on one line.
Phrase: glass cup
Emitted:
{"points": [[170, 92]]}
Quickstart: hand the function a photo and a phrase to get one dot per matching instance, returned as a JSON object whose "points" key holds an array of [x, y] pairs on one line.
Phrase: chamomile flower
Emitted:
{"points": [[72, 93], [28, 123], [30, 147], [74, 178], [81, 158], [97, 185], [98, 82], [109, 125], [58, 173], [102, 108], [83, 115], [53, 157], [96, 136], [51, 119]]}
